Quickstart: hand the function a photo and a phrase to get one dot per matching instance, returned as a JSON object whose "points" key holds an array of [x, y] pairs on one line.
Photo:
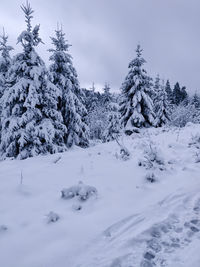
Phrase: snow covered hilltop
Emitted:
{"points": [[90, 179]]}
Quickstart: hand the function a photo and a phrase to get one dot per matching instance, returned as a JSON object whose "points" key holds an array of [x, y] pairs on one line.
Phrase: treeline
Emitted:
{"points": [[44, 110]]}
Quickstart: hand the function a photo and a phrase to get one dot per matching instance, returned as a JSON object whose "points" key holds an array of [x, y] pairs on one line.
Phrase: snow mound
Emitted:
{"points": [[81, 191]]}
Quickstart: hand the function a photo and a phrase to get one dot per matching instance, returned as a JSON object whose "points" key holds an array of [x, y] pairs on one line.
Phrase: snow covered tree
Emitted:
{"points": [[113, 129], [106, 95], [169, 92], [161, 106], [136, 107], [71, 97], [179, 94], [195, 101], [156, 85], [31, 124], [5, 61]]}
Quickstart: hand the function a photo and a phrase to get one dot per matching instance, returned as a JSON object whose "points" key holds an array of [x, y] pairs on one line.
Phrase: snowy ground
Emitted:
{"points": [[131, 223]]}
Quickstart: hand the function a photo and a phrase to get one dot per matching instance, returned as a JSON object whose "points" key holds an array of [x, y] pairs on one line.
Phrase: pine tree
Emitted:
{"points": [[184, 95], [195, 101], [31, 124], [169, 92], [113, 129], [136, 107], [71, 97], [156, 89], [106, 95], [179, 94], [161, 106], [5, 61]]}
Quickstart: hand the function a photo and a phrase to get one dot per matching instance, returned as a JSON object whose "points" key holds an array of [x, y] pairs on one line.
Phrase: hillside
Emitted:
{"points": [[130, 222]]}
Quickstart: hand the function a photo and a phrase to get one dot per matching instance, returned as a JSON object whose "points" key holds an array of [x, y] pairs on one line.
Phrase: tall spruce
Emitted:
{"points": [[5, 61], [136, 107], [113, 129], [31, 124], [161, 105], [179, 94], [169, 92], [71, 96], [107, 97]]}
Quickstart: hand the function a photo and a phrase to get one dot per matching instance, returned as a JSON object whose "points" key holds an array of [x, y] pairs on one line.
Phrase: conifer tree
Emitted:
{"points": [[169, 92], [106, 95], [136, 107], [161, 106], [31, 124], [5, 61], [71, 97], [179, 94], [157, 84], [113, 129], [195, 101]]}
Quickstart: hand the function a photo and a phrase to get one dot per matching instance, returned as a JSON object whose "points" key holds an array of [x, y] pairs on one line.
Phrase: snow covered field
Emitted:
{"points": [[130, 223]]}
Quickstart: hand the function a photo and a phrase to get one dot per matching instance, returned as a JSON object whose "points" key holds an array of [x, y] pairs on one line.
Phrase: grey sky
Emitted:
{"points": [[104, 35]]}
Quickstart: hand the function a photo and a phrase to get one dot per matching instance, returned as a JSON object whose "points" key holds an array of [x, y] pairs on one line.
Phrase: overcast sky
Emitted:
{"points": [[104, 35]]}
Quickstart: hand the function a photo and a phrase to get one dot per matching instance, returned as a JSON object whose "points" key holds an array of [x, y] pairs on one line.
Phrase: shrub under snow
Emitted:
{"points": [[52, 217], [81, 191], [152, 158]]}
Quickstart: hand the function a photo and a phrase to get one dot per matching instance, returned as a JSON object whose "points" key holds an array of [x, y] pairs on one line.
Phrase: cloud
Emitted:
{"points": [[104, 35]]}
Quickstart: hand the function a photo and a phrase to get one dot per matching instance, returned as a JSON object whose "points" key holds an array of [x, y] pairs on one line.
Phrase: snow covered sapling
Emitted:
{"points": [[152, 158], [113, 129], [195, 141], [124, 153], [71, 97], [136, 106], [150, 177], [81, 191], [161, 105], [31, 124], [52, 217]]}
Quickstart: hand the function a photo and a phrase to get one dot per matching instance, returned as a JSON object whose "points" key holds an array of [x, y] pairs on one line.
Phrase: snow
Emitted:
{"points": [[127, 221]]}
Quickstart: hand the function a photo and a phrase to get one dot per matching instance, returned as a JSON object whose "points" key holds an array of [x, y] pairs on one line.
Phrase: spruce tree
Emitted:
{"points": [[157, 84], [31, 124], [161, 106], [136, 107], [113, 128], [177, 94], [106, 95], [184, 95], [71, 97], [5, 61], [169, 92], [195, 101]]}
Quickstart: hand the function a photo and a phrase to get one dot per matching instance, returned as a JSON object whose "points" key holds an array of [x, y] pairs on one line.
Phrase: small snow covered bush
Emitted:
{"points": [[150, 177], [152, 158], [52, 217], [81, 191], [195, 141], [183, 114]]}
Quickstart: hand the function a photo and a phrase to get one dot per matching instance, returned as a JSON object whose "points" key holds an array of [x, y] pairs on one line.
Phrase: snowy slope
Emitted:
{"points": [[131, 223]]}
